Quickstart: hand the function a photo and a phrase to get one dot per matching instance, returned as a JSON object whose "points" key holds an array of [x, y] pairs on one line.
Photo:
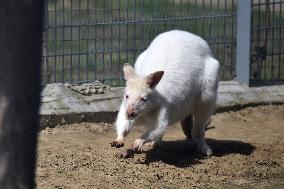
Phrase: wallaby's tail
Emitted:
{"points": [[187, 123], [211, 69]]}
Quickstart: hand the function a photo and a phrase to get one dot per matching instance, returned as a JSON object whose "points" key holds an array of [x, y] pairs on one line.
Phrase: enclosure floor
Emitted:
{"points": [[248, 150]]}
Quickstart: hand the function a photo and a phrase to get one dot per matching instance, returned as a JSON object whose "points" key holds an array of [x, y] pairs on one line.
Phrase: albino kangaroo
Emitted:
{"points": [[175, 79]]}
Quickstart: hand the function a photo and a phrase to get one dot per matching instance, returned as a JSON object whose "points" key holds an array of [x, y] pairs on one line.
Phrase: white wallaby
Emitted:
{"points": [[175, 79]]}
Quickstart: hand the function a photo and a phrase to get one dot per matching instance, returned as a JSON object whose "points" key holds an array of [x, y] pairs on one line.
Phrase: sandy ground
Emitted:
{"points": [[248, 150]]}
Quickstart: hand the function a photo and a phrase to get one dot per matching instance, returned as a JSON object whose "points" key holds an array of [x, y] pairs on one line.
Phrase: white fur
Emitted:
{"points": [[188, 86]]}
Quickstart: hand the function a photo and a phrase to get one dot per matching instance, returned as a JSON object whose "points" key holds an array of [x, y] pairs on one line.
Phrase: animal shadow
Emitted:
{"points": [[182, 153]]}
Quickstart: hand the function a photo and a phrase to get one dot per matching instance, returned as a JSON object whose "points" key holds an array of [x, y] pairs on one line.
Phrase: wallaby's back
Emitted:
{"points": [[183, 57]]}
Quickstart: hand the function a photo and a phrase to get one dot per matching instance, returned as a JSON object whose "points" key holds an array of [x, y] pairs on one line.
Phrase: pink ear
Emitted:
{"points": [[128, 71], [154, 78]]}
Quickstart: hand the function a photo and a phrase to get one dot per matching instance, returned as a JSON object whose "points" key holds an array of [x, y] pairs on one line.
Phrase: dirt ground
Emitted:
{"points": [[248, 150]]}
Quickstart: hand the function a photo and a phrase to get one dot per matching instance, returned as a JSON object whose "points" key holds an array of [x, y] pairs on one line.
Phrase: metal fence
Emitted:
{"points": [[86, 40], [267, 41]]}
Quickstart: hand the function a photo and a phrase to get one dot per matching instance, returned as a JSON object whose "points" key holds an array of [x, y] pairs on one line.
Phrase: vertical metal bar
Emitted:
{"points": [[79, 61], [134, 31], [225, 40], [79, 55], [173, 10], [180, 12], [266, 36], [180, 7], [111, 40], [55, 41], [188, 5], [87, 39], [243, 42], [71, 41], [210, 21], [165, 15], [104, 37], [127, 31], [233, 39], [218, 21], [119, 41], [203, 19], [195, 7], [156, 9], [260, 72], [96, 41], [46, 28], [218, 36], [63, 51], [143, 23], [280, 41], [272, 39], [44, 57], [188, 2]]}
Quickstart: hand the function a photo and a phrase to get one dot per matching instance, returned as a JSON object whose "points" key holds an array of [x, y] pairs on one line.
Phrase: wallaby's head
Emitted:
{"points": [[139, 92]]}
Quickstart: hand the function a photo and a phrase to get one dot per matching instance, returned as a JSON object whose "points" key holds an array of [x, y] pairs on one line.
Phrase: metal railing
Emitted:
{"points": [[267, 41], [87, 40]]}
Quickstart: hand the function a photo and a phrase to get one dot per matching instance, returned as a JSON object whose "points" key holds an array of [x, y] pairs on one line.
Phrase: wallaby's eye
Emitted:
{"points": [[143, 98], [126, 96]]}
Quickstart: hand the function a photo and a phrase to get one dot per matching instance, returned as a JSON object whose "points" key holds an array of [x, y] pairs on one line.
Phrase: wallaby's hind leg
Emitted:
{"points": [[198, 134], [186, 125]]}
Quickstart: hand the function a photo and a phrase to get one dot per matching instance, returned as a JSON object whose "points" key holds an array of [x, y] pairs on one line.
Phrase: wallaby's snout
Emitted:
{"points": [[130, 112]]}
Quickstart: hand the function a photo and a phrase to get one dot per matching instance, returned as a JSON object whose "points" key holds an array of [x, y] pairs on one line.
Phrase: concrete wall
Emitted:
{"points": [[61, 105]]}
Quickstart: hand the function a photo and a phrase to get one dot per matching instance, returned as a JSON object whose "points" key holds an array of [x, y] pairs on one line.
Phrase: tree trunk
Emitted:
{"points": [[20, 60]]}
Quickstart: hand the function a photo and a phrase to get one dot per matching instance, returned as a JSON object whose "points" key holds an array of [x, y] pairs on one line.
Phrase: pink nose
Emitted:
{"points": [[130, 111]]}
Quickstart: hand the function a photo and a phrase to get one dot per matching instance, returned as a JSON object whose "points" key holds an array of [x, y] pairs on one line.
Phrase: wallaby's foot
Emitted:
{"points": [[204, 149], [137, 145], [135, 148], [117, 144], [154, 144]]}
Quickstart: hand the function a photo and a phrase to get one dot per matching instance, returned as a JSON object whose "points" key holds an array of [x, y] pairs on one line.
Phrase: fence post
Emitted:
{"points": [[44, 45], [243, 41]]}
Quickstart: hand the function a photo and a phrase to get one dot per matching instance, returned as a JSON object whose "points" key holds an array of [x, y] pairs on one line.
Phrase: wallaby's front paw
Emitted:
{"points": [[117, 144]]}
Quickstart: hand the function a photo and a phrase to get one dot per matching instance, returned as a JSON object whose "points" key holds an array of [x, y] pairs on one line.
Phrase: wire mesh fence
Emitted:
{"points": [[267, 41], [87, 40]]}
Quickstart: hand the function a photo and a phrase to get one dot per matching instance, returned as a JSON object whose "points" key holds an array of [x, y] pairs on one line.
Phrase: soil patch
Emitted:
{"points": [[248, 150]]}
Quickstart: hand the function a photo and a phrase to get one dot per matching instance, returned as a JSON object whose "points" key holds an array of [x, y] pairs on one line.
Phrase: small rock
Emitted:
{"points": [[63, 121], [68, 84], [83, 118], [92, 91], [100, 90]]}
